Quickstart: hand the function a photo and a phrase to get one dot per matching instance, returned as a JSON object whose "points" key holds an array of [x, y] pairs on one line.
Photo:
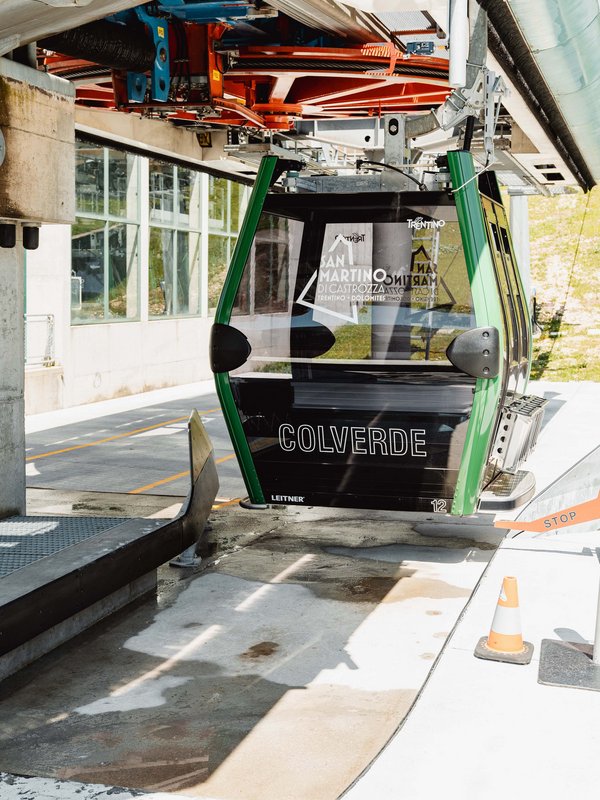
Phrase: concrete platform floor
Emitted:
{"points": [[278, 671], [283, 667], [102, 504]]}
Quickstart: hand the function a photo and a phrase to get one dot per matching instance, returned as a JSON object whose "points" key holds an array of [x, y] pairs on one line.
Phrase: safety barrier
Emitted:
{"points": [[39, 340]]}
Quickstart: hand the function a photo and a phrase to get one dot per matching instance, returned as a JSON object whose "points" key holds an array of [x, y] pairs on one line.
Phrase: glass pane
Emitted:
{"points": [[89, 178], [348, 305], [217, 204], [161, 192], [393, 291], [160, 279], [507, 298], [521, 309], [439, 292], [122, 185], [188, 273], [188, 184], [264, 300], [87, 270], [218, 263], [272, 270], [239, 201], [122, 270]]}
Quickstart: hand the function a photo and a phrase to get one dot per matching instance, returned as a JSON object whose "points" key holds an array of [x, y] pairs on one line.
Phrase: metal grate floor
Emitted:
{"points": [[24, 540]]}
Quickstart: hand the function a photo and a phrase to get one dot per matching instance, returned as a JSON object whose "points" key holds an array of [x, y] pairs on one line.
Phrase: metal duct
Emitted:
{"points": [[459, 43], [116, 46], [563, 39], [516, 56]]}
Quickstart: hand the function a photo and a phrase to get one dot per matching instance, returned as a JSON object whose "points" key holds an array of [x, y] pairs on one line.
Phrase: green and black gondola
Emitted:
{"points": [[372, 349]]}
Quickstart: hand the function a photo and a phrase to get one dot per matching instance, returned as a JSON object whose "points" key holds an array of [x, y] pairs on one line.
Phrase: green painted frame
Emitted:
{"points": [[519, 277], [233, 279], [486, 305]]}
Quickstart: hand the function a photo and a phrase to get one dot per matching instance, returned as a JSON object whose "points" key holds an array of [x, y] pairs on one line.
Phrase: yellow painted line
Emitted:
{"points": [[225, 458], [160, 483], [232, 502], [116, 436], [175, 477]]}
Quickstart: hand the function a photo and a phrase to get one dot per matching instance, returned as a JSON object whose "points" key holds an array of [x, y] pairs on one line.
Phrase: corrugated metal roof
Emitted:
{"points": [[564, 39]]}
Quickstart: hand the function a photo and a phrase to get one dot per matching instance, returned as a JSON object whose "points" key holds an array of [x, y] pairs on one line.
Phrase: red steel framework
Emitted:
{"points": [[269, 87]]}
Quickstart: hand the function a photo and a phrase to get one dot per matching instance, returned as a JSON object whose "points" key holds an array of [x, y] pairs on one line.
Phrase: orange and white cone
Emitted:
{"points": [[505, 642]]}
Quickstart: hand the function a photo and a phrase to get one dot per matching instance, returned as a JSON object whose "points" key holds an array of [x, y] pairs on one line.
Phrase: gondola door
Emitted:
{"points": [[333, 351]]}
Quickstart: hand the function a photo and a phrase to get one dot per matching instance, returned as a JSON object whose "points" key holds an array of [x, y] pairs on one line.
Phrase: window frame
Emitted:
{"points": [[109, 219], [177, 227], [229, 232]]}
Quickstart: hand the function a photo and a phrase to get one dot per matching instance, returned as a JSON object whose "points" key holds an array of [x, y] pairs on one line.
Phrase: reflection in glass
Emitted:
{"points": [[122, 270], [427, 296], [89, 178], [160, 279], [188, 281], [188, 185], [217, 204], [104, 268], [87, 269], [218, 262], [237, 207], [161, 192], [122, 184]]}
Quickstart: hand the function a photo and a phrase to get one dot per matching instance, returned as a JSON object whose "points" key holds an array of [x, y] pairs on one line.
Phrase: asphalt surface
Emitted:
{"points": [[137, 451]]}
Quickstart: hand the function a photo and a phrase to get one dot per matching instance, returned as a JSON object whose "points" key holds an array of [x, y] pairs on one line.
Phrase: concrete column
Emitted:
{"points": [[12, 356], [519, 227], [36, 186]]}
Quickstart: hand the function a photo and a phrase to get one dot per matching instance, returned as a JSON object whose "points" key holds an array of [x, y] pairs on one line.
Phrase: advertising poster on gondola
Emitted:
{"points": [[373, 263]]}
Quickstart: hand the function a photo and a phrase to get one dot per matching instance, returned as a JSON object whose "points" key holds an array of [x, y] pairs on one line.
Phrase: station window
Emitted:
{"points": [[227, 204], [174, 249], [104, 247]]}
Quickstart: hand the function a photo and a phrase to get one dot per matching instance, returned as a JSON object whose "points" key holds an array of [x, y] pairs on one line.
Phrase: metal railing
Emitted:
{"points": [[39, 340]]}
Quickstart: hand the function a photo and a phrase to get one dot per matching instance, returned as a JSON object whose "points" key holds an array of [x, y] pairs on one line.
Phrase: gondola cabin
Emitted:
{"points": [[372, 349]]}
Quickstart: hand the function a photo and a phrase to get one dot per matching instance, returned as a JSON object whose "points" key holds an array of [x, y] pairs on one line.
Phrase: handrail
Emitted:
{"points": [[39, 344]]}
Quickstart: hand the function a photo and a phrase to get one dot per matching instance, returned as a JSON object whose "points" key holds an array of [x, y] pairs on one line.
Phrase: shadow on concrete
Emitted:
{"points": [[552, 408], [158, 697], [569, 635]]}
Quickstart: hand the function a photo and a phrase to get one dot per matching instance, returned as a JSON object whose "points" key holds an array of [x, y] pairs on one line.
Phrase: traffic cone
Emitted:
{"points": [[505, 642]]}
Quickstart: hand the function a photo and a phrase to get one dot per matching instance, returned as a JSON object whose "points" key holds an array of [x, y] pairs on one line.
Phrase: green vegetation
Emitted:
{"points": [[565, 260], [352, 341]]}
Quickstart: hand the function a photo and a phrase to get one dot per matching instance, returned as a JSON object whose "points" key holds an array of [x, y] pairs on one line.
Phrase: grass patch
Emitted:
{"points": [[565, 260]]}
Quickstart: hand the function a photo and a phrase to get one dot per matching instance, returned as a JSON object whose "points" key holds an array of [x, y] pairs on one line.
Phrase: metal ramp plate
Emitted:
{"points": [[506, 491], [568, 664], [24, 540], [75, 570]]}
